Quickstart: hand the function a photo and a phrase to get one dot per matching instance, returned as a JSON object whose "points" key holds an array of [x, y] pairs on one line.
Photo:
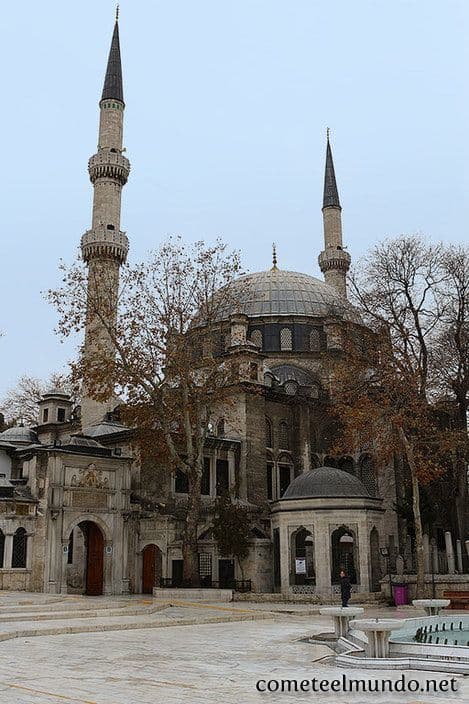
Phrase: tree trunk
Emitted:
{"points": [[190, 554], [408, 449]]}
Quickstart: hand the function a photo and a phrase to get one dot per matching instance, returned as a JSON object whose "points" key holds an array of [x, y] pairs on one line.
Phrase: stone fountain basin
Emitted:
{"points": [[431, 603], [341, 611], [375, 624]]}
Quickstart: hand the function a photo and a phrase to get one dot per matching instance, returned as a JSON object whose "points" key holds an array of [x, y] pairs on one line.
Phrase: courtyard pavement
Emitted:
{"points": [[139, 651]]}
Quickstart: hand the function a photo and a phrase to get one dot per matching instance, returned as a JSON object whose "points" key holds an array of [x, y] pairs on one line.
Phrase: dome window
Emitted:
{"points": [[314, 340], [256, 338], [286, 344], [291, 387]]}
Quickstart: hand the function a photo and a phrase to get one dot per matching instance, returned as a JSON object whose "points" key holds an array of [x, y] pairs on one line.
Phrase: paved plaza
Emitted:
{"points": [[141, 651]]}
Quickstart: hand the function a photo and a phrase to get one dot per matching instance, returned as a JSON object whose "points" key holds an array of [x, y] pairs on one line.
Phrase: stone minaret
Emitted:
{"points": [[104, 247], [333, 260]]}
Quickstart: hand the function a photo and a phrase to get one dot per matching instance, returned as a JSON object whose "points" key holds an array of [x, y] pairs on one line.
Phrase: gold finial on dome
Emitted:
{"points": [[274, 257]]}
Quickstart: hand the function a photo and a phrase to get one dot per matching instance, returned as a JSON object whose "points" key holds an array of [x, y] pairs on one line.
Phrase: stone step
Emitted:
{"points": [[125, 623]]}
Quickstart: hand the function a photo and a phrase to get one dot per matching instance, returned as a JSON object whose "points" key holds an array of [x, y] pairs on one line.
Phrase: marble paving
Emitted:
{"points": [[184, 653]]}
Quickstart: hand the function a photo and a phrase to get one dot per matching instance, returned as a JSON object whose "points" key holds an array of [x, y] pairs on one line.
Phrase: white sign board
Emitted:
{"points": [[300, 565]]}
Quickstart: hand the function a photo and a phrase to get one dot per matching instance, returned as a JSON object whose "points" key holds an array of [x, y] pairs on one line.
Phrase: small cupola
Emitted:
{"points": [[55, 407]]}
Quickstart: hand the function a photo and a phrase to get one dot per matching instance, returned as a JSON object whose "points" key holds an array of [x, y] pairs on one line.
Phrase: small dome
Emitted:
{"points": [[326, 482], [61, 393], [285, 293], [19, 435]]}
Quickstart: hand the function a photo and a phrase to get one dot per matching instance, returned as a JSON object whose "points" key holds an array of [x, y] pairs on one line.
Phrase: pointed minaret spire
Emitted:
{"points": [[333, 260], [113, 81], [331, 194]]}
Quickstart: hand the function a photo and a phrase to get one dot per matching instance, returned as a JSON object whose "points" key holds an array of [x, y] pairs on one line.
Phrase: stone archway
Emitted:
{"points": [[302, 550], [85, 559], [151, 567], [344, 555]]}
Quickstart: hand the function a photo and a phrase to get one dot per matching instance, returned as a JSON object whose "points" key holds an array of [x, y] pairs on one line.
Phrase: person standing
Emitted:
{"points": [[345, 588]]}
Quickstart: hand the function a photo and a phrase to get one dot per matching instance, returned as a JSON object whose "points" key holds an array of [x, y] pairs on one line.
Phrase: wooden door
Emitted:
{"points": [[149, 569], [226, 574], [94, 560]]}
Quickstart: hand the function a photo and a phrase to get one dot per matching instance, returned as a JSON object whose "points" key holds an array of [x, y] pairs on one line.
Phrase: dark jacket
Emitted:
{"points": [[345, 586]]}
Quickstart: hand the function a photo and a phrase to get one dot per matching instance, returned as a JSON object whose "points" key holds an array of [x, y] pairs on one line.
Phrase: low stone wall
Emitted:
{"points": [[211, 595], [443, 583], [15, 580], [361, 598]]}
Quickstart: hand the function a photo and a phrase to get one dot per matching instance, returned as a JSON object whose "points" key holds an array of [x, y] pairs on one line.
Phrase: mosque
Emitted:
{"points": [[79, 515]]}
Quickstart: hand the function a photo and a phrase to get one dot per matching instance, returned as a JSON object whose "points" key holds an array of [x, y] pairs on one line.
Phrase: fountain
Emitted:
{"points": [[377, 632], [341, 617], [432, 606]]}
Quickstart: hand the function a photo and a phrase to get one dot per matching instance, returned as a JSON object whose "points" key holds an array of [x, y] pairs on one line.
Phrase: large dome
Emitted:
{"points": [[285, 293], [326, 482]]}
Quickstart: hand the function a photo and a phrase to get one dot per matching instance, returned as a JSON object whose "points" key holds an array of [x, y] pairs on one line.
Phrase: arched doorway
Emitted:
{"points": [[85, 560], [302, 558], [151, 568], [344, 555], [375, 561]]}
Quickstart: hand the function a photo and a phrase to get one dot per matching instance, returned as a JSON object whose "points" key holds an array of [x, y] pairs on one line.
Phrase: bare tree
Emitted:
{"points": [[450, 363], [164, 362], [385, 396], [19, 404]]}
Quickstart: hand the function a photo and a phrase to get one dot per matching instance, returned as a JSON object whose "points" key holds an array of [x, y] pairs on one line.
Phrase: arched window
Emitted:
{"points": [[286, 340], [314, 340], [2, 547], [221, 427], [20, 539], [284, 436], [268, 433], [256, 338]]}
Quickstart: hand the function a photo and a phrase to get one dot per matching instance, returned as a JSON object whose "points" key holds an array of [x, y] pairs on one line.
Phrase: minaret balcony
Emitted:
{"points": [[105, 243], [109, 165], [334, 258]]}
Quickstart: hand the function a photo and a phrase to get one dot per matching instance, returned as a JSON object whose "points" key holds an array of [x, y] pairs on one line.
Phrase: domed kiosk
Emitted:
{"points": [[326, 521]]}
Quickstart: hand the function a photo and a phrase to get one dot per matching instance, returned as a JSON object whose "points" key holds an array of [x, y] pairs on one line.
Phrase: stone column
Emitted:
{"points": [[364, 557], [108, 559], [63, 567], [449, 552], [466, 543], [459, 556], [436, 565], [426, 553], [322, 558], [8, 550], [284, 560]]}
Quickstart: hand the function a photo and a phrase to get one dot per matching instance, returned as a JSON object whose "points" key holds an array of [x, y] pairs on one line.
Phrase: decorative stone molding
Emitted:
{"points": [[102, 242], [109, 165], [337, 259]]}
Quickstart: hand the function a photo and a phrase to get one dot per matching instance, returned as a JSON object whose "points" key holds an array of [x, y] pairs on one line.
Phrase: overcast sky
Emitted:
{"points": [[227, 109]]}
